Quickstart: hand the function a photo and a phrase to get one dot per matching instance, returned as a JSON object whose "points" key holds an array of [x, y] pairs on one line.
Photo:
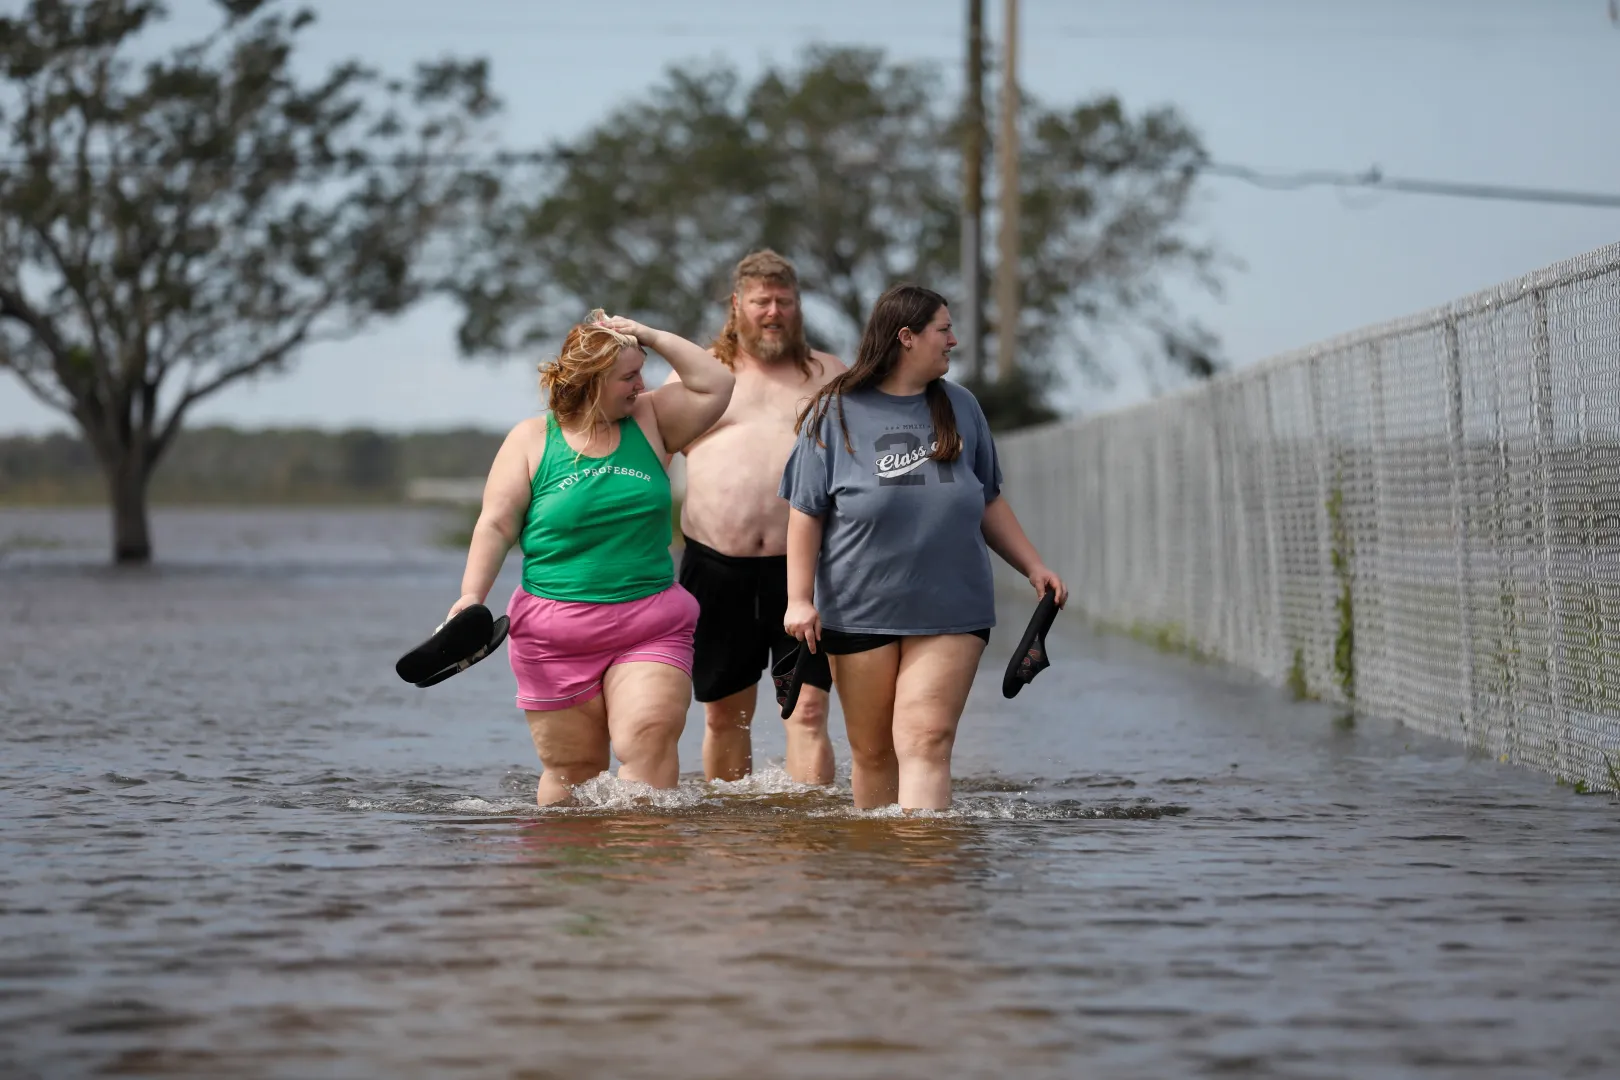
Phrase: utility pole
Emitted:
{"points": [[973, 199], [1007, 291]]}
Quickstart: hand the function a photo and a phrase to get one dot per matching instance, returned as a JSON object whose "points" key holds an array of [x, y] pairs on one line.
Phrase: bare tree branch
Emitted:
{"points": [[74, 278], [274, 354], [14, 306], [42, 391]]}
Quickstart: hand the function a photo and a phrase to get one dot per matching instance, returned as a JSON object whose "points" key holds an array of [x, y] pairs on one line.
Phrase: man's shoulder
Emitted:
{"points": [[826, 365]]}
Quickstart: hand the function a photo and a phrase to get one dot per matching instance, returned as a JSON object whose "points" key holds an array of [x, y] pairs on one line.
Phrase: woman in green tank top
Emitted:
{"points": [[601, 635]]}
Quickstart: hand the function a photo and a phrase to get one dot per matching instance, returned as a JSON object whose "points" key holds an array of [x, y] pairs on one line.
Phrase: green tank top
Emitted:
{"points": [[598, 529]]}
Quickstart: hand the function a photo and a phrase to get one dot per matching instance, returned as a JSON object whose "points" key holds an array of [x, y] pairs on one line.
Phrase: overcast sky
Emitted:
{"points": [[1519, 92]]}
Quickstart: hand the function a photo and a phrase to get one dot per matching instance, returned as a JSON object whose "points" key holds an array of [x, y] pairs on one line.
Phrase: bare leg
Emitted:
{"points": [[866, 685], [809, 750], [931, 689], [573, 748], [728, 752], [646, 712]]}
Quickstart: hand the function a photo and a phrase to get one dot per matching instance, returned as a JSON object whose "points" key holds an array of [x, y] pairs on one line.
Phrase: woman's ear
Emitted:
{"points": [[907, 338]]}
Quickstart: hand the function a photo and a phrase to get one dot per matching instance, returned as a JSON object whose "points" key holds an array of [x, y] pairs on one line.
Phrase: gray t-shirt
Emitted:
{"points": [[901, 546]]}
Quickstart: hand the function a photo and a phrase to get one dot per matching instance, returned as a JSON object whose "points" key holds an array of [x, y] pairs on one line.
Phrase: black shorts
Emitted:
{"points": [[838, 643], [741, 601]]}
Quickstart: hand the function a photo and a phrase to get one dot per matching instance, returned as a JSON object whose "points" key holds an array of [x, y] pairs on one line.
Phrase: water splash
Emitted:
{"points": [[768, 791]]}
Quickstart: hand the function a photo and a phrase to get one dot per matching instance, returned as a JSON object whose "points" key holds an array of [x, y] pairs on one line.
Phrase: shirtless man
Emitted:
{"points": [[735, 525]]}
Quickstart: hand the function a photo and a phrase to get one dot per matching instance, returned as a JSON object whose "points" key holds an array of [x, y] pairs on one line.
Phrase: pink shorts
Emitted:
{"points": [[560, 649]]}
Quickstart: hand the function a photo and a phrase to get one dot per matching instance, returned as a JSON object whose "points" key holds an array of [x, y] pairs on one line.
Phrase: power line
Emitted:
{"points": [[831, 34], [70, 162], [499, 20], [1374, 179]]}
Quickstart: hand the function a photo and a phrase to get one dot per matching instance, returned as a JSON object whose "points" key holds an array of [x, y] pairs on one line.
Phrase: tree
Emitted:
{"points": [[1105, 201], [172, 226], [850, 165]]}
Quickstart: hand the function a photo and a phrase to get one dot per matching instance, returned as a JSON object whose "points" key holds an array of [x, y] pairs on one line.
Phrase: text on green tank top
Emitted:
{"points": [[598, 528]]}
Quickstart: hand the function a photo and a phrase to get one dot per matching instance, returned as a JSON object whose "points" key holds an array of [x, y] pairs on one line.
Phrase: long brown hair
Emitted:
{"points": [[573, 381], [769, 267], [902, 307]]}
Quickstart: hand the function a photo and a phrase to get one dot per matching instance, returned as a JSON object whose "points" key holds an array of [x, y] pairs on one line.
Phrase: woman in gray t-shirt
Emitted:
{"points": [[895, 496]]}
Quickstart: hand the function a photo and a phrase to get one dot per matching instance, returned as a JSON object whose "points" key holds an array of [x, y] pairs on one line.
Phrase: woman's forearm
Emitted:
{"points": [[699, 371], [803, 552], [1006, 537], [485, 554]]}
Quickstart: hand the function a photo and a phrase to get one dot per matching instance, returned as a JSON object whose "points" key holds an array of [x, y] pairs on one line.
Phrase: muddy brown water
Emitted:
{"points": [[234, 844]]}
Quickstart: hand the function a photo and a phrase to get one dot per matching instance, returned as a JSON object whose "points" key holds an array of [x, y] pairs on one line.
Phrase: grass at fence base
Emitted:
{"points": [[1343, 552], [1297, 684], [1166, 637], [1170, 637], [1581, 787]]}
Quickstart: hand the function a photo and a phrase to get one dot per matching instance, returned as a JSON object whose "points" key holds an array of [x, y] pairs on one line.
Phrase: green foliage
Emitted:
{"points": [[849, 163], [174, 222], [1344, 644], [1297, 682]]}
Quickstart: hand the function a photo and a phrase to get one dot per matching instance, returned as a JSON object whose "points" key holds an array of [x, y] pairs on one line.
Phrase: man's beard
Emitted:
{"points": [[788, 344]]}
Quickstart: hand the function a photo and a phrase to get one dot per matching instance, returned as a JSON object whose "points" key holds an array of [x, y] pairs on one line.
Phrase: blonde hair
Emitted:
{"points": [[767, 266], [572, 381]]}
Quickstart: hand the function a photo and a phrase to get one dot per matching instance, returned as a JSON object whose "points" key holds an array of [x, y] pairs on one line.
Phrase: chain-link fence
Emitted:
{"points": [[1422, 517]]}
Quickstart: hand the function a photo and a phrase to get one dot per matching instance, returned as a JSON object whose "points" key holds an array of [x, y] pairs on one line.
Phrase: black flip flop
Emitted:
{"points": [[787, 675], [497, 635], [454, 641], [1030, 659]]}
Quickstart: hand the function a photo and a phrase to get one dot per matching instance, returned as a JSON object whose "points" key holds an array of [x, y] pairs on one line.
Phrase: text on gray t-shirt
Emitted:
{"points": [[901, 549]]}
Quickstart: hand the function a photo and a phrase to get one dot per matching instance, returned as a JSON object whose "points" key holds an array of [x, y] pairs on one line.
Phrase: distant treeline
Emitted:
{"points": [[226, 465]]}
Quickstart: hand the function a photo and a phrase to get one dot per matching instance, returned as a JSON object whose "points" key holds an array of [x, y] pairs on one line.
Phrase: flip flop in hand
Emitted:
{"points": [[1030, 659], [456, 645]]}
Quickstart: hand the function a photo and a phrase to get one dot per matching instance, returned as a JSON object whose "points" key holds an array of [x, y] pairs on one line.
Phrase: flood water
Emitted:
{"points": [[235, 845]]}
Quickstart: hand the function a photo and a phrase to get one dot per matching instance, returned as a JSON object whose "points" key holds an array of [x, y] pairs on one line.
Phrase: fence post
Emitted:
{"points": [[1214, 622], [1541, 356], [1277, 639], [1375, 584], [1458, 467], [1326, 583], [1172, 505]]}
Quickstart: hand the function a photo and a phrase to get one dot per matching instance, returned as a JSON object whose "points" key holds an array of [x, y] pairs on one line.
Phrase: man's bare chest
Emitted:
{"points": [[761, 403]]}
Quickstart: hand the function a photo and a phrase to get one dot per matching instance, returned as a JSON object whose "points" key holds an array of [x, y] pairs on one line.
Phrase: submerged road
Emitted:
{"points": [[236, 845]]}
